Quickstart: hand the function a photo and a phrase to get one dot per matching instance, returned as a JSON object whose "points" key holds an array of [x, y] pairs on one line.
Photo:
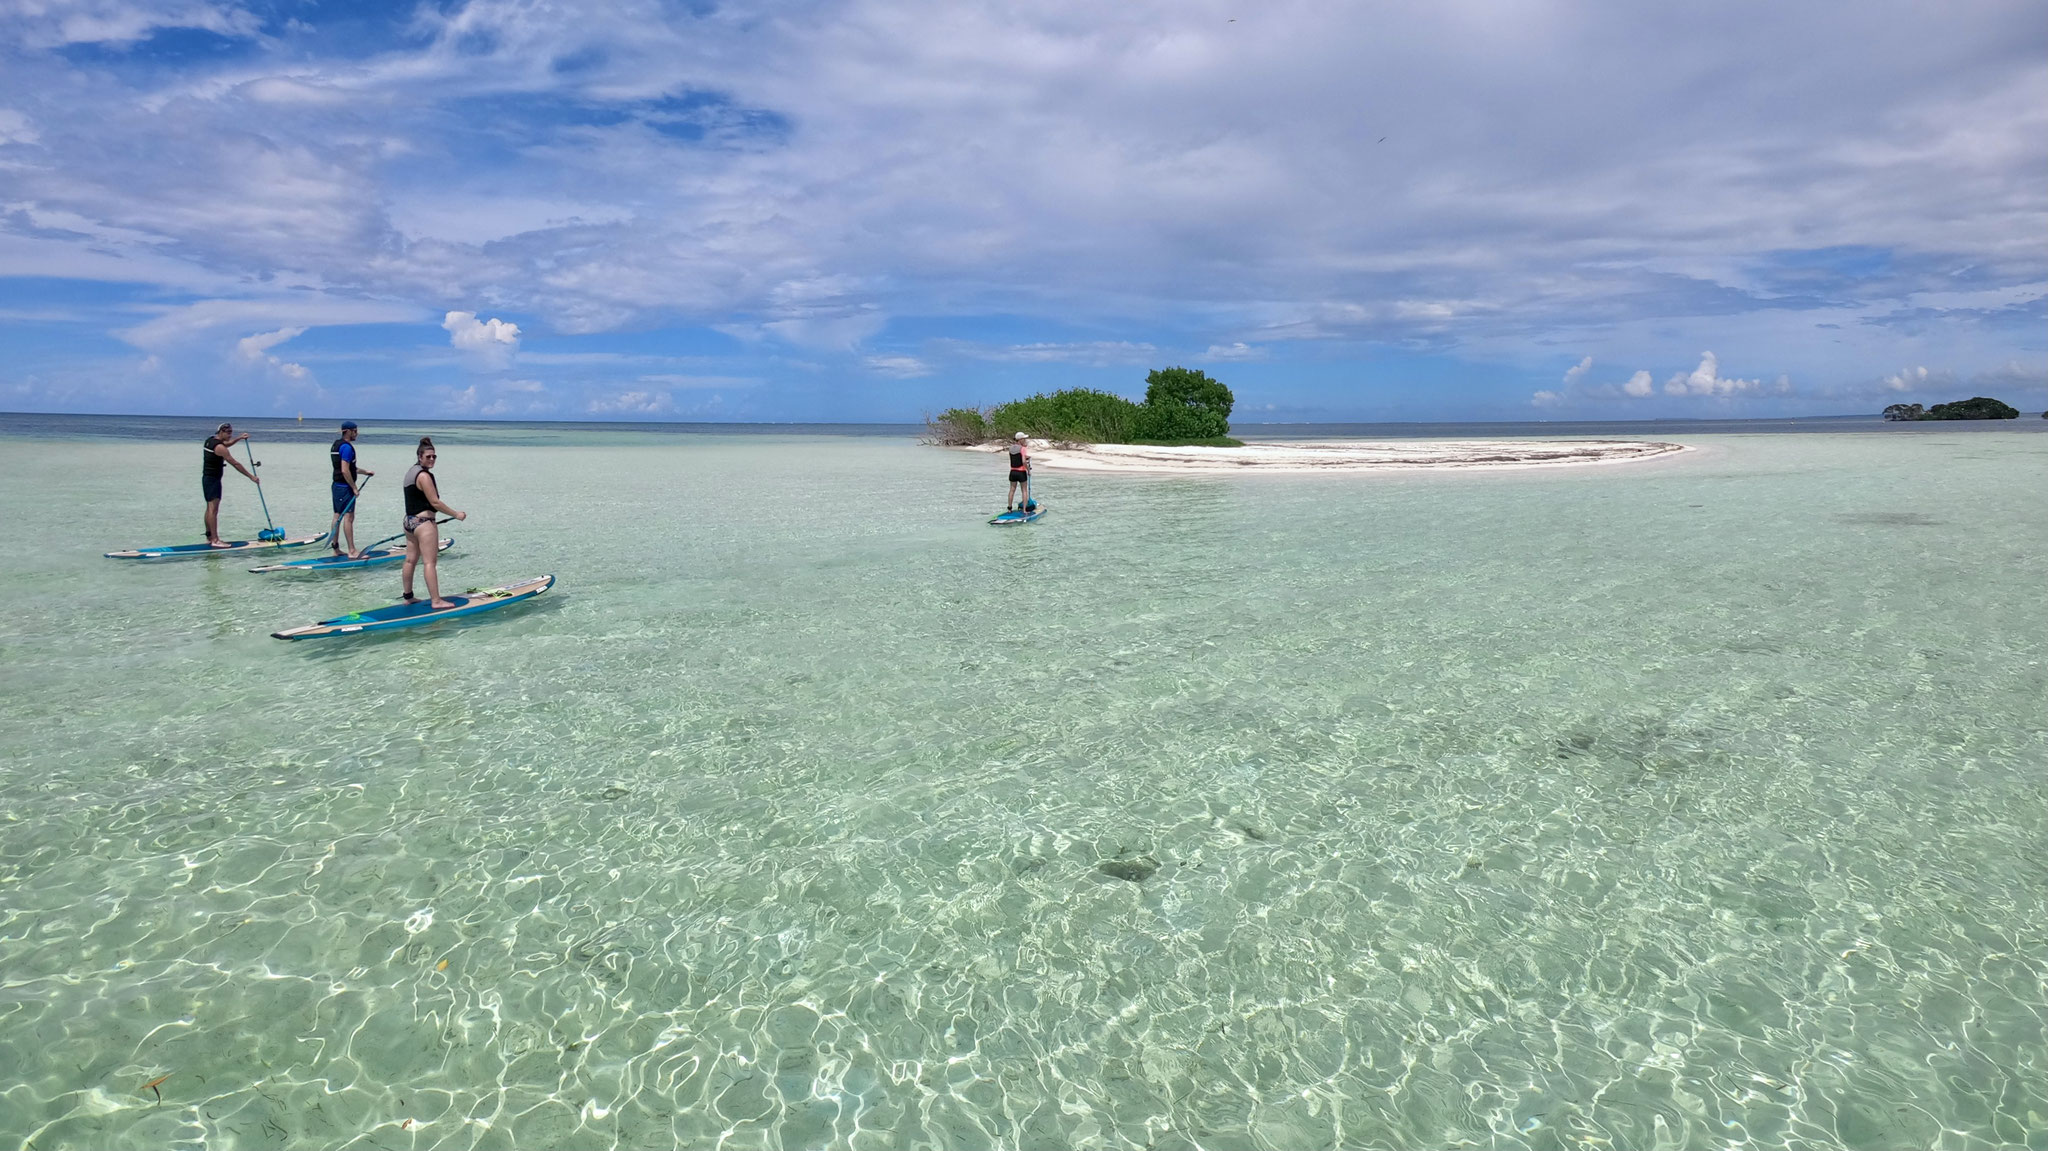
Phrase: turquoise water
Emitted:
{"points": [[1689, 804]]}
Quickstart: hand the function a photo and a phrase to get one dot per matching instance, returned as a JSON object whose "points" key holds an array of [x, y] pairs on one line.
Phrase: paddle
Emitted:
{"points": [[269, 534], [388, 539]]}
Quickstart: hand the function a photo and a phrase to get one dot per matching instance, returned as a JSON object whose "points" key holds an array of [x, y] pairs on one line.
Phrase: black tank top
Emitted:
{"points": [[215, 466], [416, 500], [334, 458], [1016, 459]]}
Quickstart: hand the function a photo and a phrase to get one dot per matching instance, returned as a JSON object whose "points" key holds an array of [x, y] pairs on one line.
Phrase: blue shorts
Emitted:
{"points": [[209, 486], [344, 498]]}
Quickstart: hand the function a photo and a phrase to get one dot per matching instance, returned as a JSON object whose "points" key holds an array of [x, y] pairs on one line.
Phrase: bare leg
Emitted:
{"points": [[213, 523], [428, 536], [334, 534], [412, 558], [348, 526]]}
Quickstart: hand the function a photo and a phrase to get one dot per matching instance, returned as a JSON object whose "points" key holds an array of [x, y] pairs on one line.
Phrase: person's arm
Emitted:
{"points": [[432, 491], [349, 470], [222, 451]]}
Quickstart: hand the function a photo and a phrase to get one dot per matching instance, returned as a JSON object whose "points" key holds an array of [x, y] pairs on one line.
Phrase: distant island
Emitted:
{"points": [[1183, 408], [1974, 408]]}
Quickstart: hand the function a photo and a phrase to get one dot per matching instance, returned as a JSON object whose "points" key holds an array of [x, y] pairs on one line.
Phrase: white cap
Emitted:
{"points": [[1020, 435]]}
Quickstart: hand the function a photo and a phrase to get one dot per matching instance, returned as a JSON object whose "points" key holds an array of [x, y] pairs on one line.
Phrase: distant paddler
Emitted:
{"points": [[210, 472], [1020, 474], [422, 534], [341, 454]]}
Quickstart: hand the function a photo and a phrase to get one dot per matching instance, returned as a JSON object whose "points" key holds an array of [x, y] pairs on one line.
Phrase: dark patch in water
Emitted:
{"points": [[613, 793], [1129, 870]]}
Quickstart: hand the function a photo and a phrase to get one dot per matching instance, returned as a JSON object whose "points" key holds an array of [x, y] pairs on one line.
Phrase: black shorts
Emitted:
{"points": [[1018, 477], [209, 486], [344, 498]]}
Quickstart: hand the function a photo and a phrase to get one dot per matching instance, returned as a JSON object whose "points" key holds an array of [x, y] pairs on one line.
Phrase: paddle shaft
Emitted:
{"points": [[250, 448], [388, 539]]}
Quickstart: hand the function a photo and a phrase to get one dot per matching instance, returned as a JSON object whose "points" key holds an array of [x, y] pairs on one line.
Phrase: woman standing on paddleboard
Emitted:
{"points": [[422, 535], [1020, 473]]}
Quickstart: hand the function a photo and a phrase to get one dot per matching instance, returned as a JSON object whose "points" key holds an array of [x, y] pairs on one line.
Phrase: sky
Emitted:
{"points": [[866, 210]]}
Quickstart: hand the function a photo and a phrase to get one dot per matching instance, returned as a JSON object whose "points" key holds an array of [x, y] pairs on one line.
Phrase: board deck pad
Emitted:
{"points": [[370, 558], [194, 551], [420, 611]]}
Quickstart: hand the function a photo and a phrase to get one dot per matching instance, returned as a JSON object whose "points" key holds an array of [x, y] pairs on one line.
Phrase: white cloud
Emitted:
{"points": [[632, 404], [902, 367], [1906, 379], [252, 348], [200, 321], [1233, 353], [256, 350], [1547, 399], [16, 128], [1638, 385], [491, 342], [1577, 372], [1706, 380], [52, 23], [1094, 353]]}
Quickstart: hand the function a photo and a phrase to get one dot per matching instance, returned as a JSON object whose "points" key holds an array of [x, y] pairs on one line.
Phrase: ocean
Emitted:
{"points": [[1698, 803]]}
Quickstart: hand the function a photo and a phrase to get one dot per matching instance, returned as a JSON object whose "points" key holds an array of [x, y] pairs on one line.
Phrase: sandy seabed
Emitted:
{"points": [[1343, 455]]}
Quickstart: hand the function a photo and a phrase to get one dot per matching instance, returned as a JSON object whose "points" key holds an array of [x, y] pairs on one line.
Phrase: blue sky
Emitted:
{"points": [[866, 210]]}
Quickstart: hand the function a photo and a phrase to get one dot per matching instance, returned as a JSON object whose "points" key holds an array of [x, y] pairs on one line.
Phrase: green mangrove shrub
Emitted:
{"points": [[1182, 406]]}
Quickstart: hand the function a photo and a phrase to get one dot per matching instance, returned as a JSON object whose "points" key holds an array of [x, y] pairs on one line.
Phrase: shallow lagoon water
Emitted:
{"points": [[1692, 804]]}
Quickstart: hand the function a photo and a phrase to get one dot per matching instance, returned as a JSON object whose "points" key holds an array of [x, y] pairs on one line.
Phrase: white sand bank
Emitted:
{"points": [[1343, 455]]}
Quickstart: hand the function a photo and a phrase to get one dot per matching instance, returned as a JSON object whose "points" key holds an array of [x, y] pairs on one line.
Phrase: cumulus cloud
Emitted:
{"points": [[634, 403], [1233, 353], [256, 350], [1575, 389], [902, 367], [16, 128], [1906, 379], [1706, 380], [489, 342]]}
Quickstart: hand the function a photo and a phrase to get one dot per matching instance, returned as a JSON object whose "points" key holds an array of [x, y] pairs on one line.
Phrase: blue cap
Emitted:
{"points": [[347, 425]]}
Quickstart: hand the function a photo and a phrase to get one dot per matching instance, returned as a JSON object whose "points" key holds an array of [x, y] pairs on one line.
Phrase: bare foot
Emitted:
{"points": [[218, 544], [439, 604]]}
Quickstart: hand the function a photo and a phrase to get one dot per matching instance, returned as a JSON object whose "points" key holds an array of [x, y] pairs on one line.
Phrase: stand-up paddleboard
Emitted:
{"points": [[193, 551], [1019, 517], [370, 558], [420, 611]]}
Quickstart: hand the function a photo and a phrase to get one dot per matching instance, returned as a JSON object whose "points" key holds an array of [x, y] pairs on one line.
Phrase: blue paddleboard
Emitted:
{"points": [[370, 558], [194, 551], [420, 611], [1019, 517]]}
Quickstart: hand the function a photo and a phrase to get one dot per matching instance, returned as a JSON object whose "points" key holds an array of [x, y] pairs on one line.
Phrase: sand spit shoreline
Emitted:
{"points": [[1298, 457]]}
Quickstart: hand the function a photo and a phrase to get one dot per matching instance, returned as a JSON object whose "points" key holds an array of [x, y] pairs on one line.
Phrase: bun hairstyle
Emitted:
{"points": [[426, 445]]}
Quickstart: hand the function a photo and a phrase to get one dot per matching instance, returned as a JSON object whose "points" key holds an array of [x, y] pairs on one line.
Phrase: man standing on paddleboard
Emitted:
{"points": [[342, 455], [1020, 473], [210, 473]]}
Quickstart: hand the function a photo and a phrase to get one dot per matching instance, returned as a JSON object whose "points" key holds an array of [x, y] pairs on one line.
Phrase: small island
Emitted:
{"points": [[1183, 408], [1182, 427], [1974, 408]]}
